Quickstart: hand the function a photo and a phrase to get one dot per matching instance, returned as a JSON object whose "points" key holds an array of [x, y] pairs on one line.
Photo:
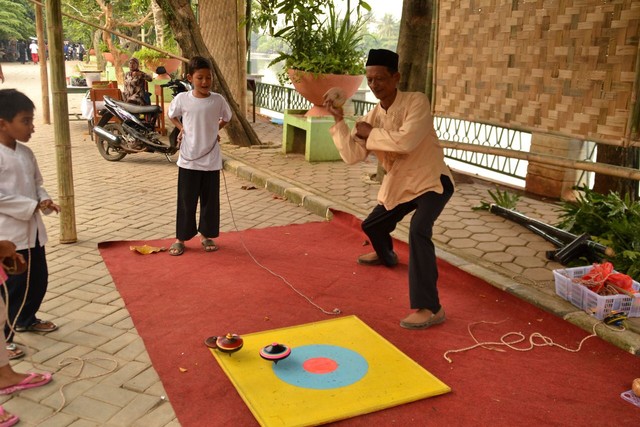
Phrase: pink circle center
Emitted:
{"points": [[320, 365]]}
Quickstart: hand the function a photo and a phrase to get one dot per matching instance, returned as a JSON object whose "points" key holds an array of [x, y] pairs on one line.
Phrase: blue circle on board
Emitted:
{"points": [[351, 367]]}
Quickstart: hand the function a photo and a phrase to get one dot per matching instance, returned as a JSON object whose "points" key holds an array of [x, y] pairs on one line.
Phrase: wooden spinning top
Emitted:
{"points": [[275, 352], [14, 266], [336, 96], [229, 343]]}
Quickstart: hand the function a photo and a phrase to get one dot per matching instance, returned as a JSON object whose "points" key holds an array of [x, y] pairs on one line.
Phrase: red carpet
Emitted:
{"points": [[175, 302]]}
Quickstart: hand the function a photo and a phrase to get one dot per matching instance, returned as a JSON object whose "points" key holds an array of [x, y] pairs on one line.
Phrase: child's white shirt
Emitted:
{"points": [[199, 149], [20, 192]]}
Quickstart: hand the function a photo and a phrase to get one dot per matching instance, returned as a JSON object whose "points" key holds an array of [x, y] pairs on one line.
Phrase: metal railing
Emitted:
{"points": [[279, 98], [455, 130]]}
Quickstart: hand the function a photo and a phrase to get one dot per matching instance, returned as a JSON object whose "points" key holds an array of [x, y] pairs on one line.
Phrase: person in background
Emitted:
{"points": [[199, 114], [22, 51], [1, 74], [33, 48], [22, 200], [10, 380], [399, 131], [134, 84]]}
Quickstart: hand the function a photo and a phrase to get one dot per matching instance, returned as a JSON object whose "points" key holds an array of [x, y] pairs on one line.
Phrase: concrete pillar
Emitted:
{"points": [[553, 181]]}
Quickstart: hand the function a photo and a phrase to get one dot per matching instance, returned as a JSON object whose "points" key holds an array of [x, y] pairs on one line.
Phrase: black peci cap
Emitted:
{"points": [[383, 57]]}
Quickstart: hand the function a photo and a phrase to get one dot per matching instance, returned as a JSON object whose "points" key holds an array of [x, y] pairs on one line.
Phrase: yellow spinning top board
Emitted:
{"points": [[337, 369]]}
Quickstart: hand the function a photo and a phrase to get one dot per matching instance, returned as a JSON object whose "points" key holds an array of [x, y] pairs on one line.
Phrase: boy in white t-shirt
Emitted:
{"points": [[199, 114]]}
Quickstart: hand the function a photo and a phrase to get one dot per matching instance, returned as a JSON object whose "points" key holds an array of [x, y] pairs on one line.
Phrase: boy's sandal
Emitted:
{"points": [[176, 249], [14, 352], [38, 326], [209, 245]]}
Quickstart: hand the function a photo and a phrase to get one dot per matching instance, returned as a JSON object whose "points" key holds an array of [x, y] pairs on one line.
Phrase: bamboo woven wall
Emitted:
{"points": [[562, 66], [224, 37]]}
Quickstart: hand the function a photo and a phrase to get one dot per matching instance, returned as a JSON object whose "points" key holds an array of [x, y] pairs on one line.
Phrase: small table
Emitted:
{"points": [[77, 89]]}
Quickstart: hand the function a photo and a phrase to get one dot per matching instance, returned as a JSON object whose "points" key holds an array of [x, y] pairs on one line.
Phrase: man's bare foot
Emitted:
{"points": [[372, 258]]}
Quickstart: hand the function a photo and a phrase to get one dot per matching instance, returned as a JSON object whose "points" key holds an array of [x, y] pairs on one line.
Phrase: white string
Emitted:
{"points": [[11, 324], [68, 361], [536, 339], [335, 311]]}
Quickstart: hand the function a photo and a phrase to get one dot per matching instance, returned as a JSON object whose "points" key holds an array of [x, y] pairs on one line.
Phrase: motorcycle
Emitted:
{"points": [[134, 128]]}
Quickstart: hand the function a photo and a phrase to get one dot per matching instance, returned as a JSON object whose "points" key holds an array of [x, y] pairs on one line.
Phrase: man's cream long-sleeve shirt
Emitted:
{"points": [[404, 141]]}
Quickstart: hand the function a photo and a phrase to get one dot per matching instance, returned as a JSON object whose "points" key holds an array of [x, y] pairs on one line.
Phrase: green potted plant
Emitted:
{"points": [[152, 59], [324, 47]]}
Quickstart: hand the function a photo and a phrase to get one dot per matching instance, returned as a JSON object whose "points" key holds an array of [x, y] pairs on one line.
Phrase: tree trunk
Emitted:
{"points": [[158, 22], [619, 156], [110, 24], [414, 44], [187, 33], [97, 36]]}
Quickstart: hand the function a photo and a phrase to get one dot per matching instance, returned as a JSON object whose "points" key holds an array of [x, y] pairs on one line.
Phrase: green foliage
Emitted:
{"points": [[123, 14], [318, 42], [145, 54], [17, 20], [504, 199], [610, 220], [387, 31]]}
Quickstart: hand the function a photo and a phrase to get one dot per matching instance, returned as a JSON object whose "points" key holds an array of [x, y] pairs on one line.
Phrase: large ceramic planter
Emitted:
{"points": [[313, 87], [170, 64]]}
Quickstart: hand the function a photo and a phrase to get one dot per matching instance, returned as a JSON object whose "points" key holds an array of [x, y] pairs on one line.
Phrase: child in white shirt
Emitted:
{"points": [[199, 114]]}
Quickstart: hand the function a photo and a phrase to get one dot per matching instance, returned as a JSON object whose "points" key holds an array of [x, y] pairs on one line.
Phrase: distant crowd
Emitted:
{"points": [[27, 51], [74, 51]]}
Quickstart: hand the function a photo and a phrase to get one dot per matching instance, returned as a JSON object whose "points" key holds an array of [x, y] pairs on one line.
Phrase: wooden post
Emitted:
{"points": [[553, 181], [62, 135], [42, 60], [633, 126]]}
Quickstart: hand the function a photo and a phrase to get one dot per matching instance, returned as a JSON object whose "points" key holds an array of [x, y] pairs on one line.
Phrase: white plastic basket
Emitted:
{"points": [[589, 301]]}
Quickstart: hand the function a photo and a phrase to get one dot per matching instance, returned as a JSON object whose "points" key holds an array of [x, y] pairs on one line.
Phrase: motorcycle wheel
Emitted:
{"points": [[109, 153]]}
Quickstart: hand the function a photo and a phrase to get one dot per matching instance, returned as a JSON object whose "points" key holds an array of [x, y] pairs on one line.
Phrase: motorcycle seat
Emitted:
{"points": [[138, 109]]}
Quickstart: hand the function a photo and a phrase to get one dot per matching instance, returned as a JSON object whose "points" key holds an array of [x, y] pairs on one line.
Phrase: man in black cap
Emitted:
{"points": [[399, 131]]}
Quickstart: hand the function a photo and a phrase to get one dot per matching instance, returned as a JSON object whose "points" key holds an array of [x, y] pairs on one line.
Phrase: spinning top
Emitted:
{"points": [[336, 96], [14, 266], [275, 352], [229, 343]]}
